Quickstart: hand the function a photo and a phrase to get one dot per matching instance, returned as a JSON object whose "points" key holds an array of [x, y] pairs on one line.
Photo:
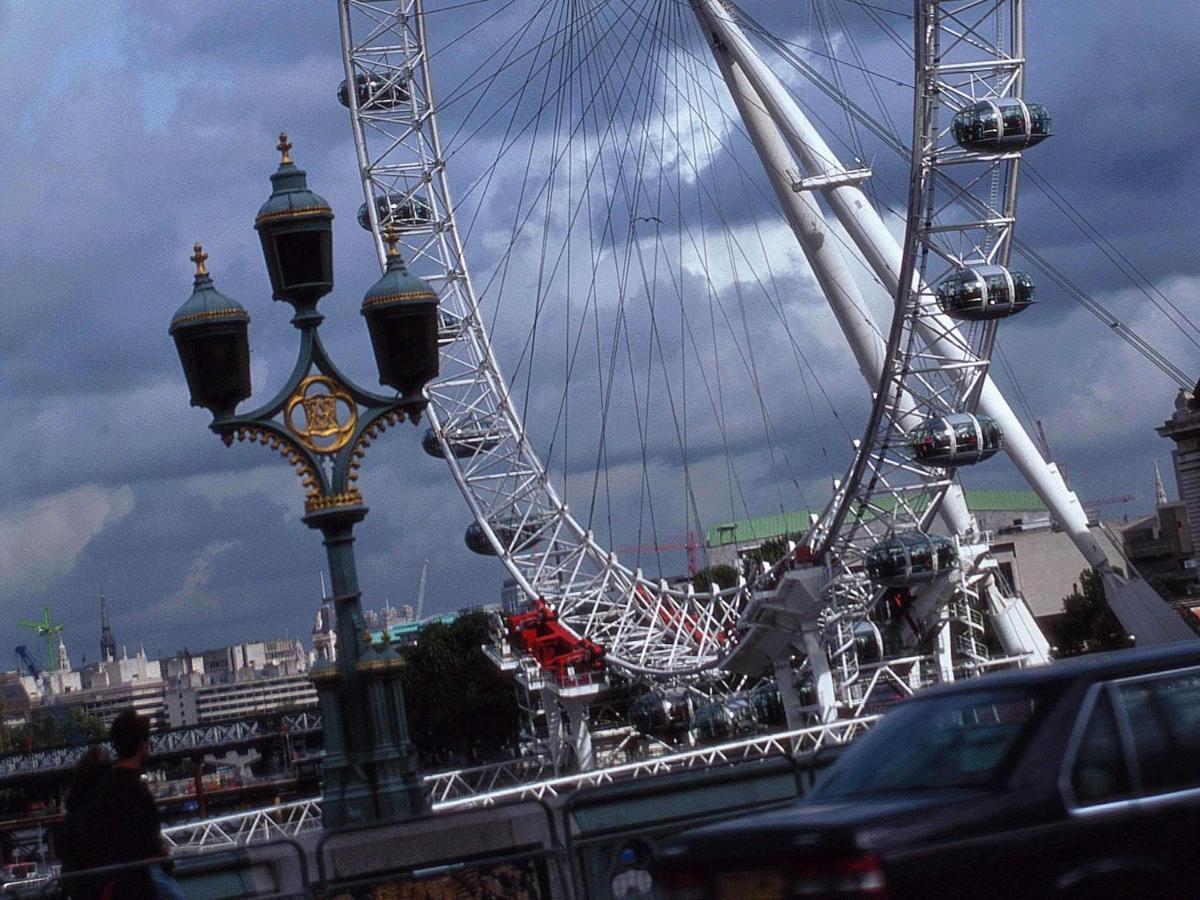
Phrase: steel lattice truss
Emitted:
{"points": [[643, 625], [177, 740], [251, 826], [961, 212], [465, 789]]}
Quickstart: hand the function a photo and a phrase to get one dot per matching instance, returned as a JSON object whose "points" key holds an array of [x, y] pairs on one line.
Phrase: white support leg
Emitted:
{"points": [[1015, 627], [554, 728], [882, 253], [581, 735], [945, 650], [1133, 601], [822, 676], [785, 680]]}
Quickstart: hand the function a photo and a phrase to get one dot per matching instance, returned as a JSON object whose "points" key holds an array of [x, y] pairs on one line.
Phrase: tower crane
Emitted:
{"points": [[692, 548], [48, 630], [27, 660]]}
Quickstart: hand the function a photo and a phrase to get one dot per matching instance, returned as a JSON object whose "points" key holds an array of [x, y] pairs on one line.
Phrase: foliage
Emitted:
{"points": [[459, 705], [770, 551], [722, 576], [1088, 625], [55, 726]]}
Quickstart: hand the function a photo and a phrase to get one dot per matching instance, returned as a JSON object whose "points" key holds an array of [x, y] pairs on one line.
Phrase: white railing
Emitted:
{"points": [[473, 788], [457, 783], [250, 826], [803, 740]]}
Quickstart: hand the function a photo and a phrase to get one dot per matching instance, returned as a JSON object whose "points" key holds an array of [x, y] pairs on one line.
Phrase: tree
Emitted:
{"points": [[770, 551], [722, 576], [55, 726], [1087, 624], [458, 703]]}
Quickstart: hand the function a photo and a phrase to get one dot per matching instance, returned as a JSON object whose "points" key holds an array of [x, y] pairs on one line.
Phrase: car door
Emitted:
{"points": [[1131, 788]]}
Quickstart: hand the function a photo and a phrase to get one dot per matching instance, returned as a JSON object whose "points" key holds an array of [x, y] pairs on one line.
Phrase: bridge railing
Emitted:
{"points": [[800, 741], [177, 740], [457, 783], [475, 788], [246, 827]]}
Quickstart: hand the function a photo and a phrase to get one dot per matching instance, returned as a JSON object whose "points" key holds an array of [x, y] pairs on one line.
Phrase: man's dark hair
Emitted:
{"points": [[127, 733]]}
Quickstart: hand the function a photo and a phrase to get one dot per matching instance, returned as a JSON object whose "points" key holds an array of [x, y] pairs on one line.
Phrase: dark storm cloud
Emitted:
{"points": [[135, 129], [185, 568]]}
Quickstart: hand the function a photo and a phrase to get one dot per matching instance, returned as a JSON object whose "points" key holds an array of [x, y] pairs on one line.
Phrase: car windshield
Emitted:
{"points": [[936, 743]]}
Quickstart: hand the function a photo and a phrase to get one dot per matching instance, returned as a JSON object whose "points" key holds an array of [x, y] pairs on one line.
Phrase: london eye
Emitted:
{"points": [[680, 218]]}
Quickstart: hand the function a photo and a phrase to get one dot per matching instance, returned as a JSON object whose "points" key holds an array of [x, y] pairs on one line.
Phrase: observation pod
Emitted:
{"points": [[959, 439], [909, 558], [984, 292], [450, 329], [1000, 125], [397, 209], [375, 92], [720, 720], [464, 444], [661, 713], [767, 702], [519, 537]]}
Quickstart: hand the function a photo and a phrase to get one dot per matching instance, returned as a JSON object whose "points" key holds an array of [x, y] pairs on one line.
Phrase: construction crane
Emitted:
{"points": [[48, 630], [691, 547], [1108, 501], [28, 661], [421, 590]]}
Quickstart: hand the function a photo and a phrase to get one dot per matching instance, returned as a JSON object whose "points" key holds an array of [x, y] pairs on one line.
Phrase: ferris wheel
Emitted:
{"points": [[633, 363]]}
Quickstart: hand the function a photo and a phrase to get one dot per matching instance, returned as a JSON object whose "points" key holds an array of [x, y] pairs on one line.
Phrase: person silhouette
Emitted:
{"points": [[122, 822]]}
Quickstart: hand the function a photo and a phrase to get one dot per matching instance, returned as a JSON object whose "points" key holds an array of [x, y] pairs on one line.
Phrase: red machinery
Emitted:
{"points": [[566, 657]]}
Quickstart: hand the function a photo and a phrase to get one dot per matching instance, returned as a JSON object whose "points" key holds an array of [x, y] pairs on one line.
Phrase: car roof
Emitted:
{"points": [[1090, 667]]}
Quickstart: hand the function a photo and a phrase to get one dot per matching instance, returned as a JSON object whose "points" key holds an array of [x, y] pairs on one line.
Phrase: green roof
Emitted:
{"points": [[760, 529], [1005, 501], [766, 527]]}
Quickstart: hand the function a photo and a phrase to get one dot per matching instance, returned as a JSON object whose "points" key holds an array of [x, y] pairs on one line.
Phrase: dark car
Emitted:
{"points": [[1080, 779]]}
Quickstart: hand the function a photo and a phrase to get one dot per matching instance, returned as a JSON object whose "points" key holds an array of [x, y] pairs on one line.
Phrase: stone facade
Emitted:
{"points": [[1184, 429]]}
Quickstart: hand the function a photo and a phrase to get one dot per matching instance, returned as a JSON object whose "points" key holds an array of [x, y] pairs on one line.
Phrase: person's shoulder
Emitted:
{"points": [[122, 781]]}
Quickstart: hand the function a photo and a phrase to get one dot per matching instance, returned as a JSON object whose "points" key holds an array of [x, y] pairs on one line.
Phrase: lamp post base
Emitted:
{"points": [[370, 763]]}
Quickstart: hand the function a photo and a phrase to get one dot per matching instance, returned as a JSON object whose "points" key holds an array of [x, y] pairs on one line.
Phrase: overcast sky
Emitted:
{"points": [[132, 129]]}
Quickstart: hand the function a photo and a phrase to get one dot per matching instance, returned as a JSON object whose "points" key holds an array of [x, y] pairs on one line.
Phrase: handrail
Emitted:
{"points": [[238, 829]]}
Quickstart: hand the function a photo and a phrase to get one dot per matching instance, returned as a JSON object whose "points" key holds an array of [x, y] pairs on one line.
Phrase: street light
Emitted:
{"points": [[322, 423]]}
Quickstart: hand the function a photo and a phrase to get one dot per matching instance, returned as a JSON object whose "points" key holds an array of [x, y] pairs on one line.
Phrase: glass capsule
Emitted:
{"points": [[959, 439], [910, 558], [1000, 125], [979, 293]]}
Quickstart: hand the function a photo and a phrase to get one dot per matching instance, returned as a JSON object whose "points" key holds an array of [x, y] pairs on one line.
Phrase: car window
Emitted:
{"points": [[1164, 722], [1099, 773], [955, 741]]}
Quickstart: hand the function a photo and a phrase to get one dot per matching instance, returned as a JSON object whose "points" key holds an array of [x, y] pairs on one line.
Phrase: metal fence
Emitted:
{"points": [[491, 785], [178, 740]]}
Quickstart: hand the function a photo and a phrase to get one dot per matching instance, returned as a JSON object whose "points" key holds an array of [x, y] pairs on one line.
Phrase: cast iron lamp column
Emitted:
{"points": [[322, 423]]}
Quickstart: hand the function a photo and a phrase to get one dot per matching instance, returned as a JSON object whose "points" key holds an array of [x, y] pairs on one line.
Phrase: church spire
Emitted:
{"points": [[108, 644], [1160, 489]]}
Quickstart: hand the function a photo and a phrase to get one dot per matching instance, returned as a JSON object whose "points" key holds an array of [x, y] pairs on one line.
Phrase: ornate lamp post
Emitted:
{"points": [[322, 424]]}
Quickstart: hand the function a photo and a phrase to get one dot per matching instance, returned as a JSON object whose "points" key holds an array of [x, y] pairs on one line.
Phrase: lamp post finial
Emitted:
{"points": [[285, 148], [198, 257]]}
